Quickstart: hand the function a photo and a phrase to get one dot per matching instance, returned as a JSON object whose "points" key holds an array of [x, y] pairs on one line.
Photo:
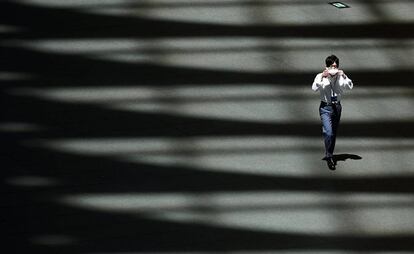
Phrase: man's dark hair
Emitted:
{"points": [[331, 59]]}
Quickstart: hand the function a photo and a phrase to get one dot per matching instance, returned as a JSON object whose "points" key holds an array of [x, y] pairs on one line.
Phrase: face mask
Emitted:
{"points": [[332, 71]]}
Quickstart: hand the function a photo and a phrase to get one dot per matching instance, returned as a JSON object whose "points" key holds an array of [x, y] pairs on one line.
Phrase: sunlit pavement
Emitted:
{"points": [[191, 127]]}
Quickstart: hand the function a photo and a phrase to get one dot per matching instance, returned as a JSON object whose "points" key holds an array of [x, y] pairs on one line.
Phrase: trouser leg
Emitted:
{"points": [[330, 117], [336, 117]]}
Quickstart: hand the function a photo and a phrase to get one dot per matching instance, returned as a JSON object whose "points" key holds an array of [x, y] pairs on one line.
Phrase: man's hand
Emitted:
{"points": [[341, 73], [325, 73]]}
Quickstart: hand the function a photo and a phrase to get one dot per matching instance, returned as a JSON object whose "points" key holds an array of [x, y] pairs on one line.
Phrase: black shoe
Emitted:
{"points": [[331, 163]]}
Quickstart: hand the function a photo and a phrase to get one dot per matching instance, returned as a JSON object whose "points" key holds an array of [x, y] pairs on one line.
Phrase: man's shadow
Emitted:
{"points": [[345, 156]]}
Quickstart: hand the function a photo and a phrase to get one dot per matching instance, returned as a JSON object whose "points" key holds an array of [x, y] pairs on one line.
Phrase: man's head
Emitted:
{"points": [[331, 61]]}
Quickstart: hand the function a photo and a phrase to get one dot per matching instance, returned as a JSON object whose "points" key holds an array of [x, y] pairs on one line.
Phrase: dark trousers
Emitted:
{"points": [[330, 116]]}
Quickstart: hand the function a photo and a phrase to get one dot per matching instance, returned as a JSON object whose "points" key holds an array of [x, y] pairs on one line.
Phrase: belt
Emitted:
{"points": [[330, 103]]}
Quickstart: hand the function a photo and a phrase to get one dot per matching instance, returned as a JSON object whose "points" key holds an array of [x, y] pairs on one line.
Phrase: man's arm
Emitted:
{"points": [[320, 81], [344, 81]]}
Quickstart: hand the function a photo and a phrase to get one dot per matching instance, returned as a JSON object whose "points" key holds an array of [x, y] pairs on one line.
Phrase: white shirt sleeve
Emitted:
{"points": [[319, 82], [345, 83]]}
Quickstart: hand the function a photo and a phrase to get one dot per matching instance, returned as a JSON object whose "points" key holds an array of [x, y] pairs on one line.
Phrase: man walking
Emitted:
{"points": [[331, 83]]}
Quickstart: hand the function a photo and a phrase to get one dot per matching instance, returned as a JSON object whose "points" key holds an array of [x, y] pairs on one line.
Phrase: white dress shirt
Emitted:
{"points": [[331, 86]]}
